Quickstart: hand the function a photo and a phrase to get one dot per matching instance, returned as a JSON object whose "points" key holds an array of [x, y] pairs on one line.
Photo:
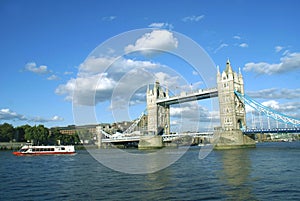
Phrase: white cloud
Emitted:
{"points": [[161, 25], [278, 48], [291, 109], [161, 40], [271, 104], [68, 73], [275, 93], [9, 115], [53, 77], [220, 47], [32, 67], [243, 45], [95, 82], [237, 37], [109, 18], [94, 65], [44, 120], [193, 18], [289, 62], [192, 117], [84, 90]]}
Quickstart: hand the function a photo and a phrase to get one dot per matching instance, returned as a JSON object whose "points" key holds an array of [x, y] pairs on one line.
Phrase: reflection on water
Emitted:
{"points": [[235, 174]]}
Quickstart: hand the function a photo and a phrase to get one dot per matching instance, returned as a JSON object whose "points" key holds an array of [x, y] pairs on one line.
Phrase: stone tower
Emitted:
{"points": [[158, 116], [232, 111]]}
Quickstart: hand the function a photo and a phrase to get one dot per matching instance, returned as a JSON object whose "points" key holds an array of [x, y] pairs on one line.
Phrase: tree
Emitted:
{"points": [[39, 134], [28, 133], [7, 132], [20, 133]]}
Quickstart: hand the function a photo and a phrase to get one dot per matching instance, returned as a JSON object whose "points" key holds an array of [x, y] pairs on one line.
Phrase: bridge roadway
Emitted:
{"points": [[273, 130], [189, 96], [166, 138]]}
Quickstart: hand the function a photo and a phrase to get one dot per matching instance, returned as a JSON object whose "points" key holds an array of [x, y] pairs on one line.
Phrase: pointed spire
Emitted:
{"points": [[167, 92], [228, 62], [240, 74], [228, 67]]}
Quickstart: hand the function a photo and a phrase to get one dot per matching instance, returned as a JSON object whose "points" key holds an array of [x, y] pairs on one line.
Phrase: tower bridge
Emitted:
{"points": [[232, 100]]}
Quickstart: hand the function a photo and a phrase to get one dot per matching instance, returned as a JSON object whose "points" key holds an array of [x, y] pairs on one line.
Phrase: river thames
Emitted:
{"points": [[271, 171]]}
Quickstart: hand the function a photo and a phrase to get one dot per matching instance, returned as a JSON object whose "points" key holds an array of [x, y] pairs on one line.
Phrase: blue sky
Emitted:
{"points": [[44, 46]]}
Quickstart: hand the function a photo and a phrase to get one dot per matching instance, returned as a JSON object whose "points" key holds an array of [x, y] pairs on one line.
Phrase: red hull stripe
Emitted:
{"points": [[41, 153]]}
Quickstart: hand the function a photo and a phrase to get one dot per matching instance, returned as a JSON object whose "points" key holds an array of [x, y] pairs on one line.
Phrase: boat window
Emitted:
{"points": [[62, 148], [23, 150]]}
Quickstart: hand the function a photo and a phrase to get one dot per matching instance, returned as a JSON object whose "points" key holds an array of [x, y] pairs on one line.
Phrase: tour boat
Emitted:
{"points": [[45, 150]]}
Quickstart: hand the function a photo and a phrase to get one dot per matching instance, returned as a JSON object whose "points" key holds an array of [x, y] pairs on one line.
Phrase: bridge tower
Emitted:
{"points": [[158, 115], [232, 110]]}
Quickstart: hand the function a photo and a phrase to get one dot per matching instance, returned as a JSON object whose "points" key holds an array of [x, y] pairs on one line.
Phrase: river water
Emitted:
{"points": [[269, 172]]}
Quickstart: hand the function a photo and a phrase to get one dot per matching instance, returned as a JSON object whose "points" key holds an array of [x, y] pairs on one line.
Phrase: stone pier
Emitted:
{"points": [[233, 139], [151, 142]]}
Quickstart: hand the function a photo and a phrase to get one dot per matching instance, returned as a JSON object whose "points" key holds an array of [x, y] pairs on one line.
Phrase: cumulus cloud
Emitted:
{"points": [[289, 62], [161, 40], [9, 115], [84, 90], [161, 25], [32, 67], [237, 37], [96, 82], [193, 18]]}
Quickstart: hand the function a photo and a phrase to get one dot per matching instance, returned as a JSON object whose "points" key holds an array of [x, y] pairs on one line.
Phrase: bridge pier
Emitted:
{"points": [[233, 139], [151, 142]]}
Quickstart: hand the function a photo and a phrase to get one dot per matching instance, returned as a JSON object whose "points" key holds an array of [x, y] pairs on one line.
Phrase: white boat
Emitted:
{"points": [[203, 145], [45, 150]]}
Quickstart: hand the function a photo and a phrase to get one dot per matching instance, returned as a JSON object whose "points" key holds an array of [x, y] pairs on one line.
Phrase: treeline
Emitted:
{"points": [[37, 134]]}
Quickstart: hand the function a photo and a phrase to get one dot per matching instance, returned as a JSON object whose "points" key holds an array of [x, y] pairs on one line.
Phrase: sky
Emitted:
{"points": [[67, 62]]}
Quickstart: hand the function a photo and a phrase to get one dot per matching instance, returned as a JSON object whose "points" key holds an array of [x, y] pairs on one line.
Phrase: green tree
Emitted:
{"points": [[20, 133], [28, 133], [39, 134], [54, 136], [7, 132]]}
